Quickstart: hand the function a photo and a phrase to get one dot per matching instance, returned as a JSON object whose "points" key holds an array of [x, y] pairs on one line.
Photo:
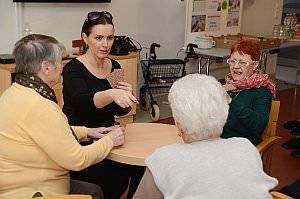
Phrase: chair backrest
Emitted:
{"points": [[270, 130], [269, 137], [67, 196], [78, 44], [59, 95], [278, 195]]}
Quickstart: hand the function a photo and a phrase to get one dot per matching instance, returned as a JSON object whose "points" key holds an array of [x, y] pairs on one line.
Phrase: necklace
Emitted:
{"points": [[233, 95], [98, 71]]}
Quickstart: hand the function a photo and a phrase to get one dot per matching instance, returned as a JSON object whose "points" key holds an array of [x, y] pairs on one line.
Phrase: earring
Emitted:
{"points": [[179, 133]]}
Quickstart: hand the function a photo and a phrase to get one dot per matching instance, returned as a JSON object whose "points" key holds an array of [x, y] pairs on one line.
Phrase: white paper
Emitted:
{"points": [[233, 19], [199, 5], [213, 5], [234, 5], [213, 23]]}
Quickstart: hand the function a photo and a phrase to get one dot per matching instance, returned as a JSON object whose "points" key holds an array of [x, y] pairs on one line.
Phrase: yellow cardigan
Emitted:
{"points": [[37, 148]]}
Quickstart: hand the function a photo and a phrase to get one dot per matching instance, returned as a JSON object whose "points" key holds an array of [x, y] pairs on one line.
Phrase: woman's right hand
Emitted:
{"points": [[117, 135], [123, 98]]}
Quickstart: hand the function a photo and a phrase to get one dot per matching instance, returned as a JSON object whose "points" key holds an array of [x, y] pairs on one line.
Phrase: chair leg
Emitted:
{"points": [[124, 195], [267, 160]]}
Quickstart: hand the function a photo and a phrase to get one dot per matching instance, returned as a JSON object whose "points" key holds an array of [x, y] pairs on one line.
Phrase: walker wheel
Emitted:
{"points": [[144, 102], [154, 112]]}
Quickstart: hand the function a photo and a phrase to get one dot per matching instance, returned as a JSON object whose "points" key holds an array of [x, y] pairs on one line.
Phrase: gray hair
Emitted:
{"points": [[32, 50], [199, 105]]}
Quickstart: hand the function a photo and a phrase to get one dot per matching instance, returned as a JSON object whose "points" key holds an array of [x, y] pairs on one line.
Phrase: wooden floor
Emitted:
{"points": [[284, 167]]}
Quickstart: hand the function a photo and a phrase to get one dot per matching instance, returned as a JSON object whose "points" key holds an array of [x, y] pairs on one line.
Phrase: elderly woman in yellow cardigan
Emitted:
{"points": [[38, 147]]}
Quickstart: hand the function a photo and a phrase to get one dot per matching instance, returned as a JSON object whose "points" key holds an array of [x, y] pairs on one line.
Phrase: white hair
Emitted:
{"points": [[199, 105]]}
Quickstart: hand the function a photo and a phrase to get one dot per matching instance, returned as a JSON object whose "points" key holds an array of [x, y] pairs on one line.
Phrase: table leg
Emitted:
{"points": [[266, 59], [263, 60], [298, 69], [199, 65], [207, 66]]}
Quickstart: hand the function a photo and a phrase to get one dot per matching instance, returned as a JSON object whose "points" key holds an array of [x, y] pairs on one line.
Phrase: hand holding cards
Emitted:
{"points": [[122, 91], [114, 77]]}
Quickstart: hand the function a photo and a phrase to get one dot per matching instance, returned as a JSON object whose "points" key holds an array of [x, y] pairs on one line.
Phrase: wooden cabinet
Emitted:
{"points": [[5, 76], [128, 62]]}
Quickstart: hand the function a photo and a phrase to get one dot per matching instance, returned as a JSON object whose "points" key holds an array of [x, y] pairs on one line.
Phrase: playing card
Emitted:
{"points": [[114, 77]]}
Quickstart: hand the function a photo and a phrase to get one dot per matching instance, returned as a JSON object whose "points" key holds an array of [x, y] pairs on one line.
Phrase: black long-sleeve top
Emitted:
{"points": [[79, 88]]}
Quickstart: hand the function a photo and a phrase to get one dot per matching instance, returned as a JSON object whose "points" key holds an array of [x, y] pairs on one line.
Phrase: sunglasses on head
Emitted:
{"points": [[96, 15]]}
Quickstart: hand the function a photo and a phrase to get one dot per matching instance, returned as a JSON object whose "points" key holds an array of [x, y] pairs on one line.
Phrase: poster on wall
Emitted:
{"points": [[234, 5], [198, 23], [206, 15], [233, 13], [212, 18]]}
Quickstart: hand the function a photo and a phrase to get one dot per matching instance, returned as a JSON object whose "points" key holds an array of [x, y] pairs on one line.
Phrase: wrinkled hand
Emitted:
{"points": [[97, 133], [229, 99], [123, 98], [229, 87], [117, 135], [124, 86]]}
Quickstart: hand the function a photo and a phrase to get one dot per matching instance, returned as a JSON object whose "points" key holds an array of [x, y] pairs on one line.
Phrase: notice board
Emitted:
{"points": [[212, 18]]}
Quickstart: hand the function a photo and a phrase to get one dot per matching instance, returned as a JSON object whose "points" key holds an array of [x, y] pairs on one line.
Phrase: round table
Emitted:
{"points": [[141, 140]]}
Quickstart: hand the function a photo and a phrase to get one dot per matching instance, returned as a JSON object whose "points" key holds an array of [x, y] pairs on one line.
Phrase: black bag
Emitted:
{"points": [[122, 45]]}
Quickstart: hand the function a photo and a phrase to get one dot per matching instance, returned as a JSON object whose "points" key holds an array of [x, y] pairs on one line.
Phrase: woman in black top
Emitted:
{"points": [[89, 100], [80, 87]]}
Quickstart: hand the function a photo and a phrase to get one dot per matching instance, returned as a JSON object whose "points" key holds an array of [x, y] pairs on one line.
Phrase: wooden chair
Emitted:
{"points": [[78, 44], [265, 148], [278, 195], [59, 95], [67, 196]]}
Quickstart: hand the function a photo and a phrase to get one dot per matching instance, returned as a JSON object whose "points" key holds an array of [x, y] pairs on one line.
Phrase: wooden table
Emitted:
{"points": [[141, 140]]}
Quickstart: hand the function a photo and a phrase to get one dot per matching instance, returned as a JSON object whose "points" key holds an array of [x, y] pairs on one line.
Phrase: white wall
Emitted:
{"points": [[8, 29], [259, 18], [147, 21]]}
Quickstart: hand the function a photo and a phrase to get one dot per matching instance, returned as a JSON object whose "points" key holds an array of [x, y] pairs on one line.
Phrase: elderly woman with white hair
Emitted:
{"points": [[205, 165]]}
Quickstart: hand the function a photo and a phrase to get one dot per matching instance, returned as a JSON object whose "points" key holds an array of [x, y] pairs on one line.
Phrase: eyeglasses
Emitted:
{"points": [[240, 63], [96, 15]]}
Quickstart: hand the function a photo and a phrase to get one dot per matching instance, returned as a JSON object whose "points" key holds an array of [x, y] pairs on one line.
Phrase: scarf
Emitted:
{"points": [[257, 80], [37, 84]]}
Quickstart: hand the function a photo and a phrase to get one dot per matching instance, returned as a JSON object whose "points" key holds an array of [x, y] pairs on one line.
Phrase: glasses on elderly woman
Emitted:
{"points": [[96, 15], [240, 63]]}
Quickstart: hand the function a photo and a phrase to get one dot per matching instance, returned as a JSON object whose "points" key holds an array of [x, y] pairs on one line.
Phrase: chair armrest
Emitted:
{"points": [[278, 195], [67, 196], [267, 143]]}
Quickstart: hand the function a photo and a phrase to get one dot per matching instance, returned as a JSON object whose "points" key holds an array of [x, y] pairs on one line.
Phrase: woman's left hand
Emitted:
{"points": [[100, 132], [124, 86], [226, 88], [229, 87]]}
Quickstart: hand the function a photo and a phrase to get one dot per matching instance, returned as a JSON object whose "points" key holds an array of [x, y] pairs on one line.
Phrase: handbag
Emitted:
{"points": [[122, 46]]}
